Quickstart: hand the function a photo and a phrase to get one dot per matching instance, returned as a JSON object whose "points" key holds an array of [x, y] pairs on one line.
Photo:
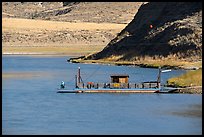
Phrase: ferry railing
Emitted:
{"points": [[93, 85]]}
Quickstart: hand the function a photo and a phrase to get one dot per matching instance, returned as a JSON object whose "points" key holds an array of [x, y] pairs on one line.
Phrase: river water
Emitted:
{"points": [[31, 104]]}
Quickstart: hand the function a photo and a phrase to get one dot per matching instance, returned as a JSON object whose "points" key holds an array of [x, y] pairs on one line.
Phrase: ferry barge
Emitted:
{"points": [[118, 84]]}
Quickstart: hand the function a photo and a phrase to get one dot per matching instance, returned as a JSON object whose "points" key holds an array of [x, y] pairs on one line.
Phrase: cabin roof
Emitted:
{"points": [[119, 75]]}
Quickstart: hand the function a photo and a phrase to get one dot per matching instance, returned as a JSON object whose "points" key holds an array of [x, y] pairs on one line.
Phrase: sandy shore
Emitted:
{"points": [[40, 54]]}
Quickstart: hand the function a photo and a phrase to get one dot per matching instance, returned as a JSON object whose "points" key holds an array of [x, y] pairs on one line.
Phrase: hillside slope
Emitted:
{"points": [[176, 34]]}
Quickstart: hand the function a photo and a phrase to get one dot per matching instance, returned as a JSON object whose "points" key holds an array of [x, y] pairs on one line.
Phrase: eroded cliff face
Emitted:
{"points": [[159, 30]]}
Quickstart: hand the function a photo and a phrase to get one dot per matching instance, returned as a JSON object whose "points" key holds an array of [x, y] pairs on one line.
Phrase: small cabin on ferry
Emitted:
{"points": [[119, 81], [119, 78]]}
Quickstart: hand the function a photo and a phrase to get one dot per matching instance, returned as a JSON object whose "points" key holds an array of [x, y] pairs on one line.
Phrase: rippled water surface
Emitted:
{"points": [[31, 104]]}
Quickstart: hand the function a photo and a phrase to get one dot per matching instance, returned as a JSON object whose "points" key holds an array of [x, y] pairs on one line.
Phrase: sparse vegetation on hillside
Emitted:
{"points": [[24, 31], [97, 12]]}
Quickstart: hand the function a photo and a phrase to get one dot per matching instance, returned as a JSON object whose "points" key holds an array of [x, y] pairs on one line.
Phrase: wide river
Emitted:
{"points": [[31, 104]]}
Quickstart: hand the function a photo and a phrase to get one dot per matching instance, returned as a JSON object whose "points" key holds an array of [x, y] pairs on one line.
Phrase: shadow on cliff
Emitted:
{"points": [[132, 41]]}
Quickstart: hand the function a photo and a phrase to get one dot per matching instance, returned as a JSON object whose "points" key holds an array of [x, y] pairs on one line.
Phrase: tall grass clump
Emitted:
{"points": [[189, 79]]}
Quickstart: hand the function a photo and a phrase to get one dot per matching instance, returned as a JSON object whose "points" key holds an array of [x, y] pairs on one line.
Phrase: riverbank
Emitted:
{"points": [[189, 79], [60, 50], [189, 90], [190, 82], [147, 63]]}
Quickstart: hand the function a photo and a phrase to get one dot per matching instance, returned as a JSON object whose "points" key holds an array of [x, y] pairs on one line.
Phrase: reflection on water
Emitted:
{"points": [[191, 111], [25, 75], [30, 104]]}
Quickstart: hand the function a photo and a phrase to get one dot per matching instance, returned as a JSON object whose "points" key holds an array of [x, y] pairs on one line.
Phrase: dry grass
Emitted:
{"points": [[191, 78], [21, 24], [26, 36], [169, 63], [146, 62]]}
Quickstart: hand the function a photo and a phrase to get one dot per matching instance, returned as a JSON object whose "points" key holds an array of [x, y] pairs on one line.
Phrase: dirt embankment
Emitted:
{"points": [[190, 90]]}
